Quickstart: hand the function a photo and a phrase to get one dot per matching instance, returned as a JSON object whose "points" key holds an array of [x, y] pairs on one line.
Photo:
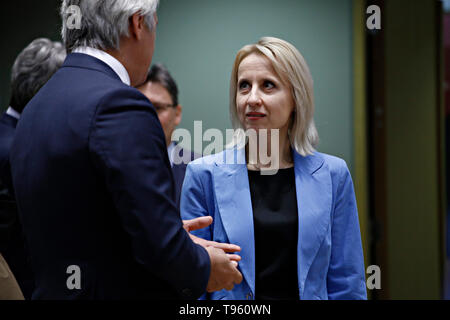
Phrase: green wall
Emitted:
{"points": [[198, 40], [20, 23]]}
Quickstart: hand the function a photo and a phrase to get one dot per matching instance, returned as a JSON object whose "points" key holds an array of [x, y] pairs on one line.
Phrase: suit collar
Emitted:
{"points": [[232, 191], [231, 160], [8, 120], [108, 59], [170, 151], [84, 61], [309, 164], [314, 201], [13, 113]]}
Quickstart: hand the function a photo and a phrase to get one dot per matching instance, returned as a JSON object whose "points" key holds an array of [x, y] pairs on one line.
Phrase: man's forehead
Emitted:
{"points": [[157, 90]]}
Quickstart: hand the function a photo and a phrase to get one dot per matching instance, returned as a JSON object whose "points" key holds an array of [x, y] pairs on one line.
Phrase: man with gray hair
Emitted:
{"points": [[32, 68], [92, 177]]}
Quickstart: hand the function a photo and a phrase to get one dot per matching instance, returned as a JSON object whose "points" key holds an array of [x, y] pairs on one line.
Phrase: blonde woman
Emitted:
{"points": [[298, 226]]}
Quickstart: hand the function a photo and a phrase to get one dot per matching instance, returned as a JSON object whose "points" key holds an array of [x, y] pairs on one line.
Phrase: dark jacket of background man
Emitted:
{"points": [[8, 210], [12, 244], [179, 171], [31, 70]]}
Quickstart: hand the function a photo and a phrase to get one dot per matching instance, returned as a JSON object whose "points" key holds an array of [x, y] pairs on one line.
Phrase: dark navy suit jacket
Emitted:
{"points": [[179, 171], [94, 189], [7, 204], [12, 244]]}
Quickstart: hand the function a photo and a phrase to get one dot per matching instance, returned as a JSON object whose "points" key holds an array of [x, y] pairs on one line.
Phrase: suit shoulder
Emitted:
{"points": [[124, 95], [123, 99], [203, 163], [89, 87], [333, 162], [337, 166]]}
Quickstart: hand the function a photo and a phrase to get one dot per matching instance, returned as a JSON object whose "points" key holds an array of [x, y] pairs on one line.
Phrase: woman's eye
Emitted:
{"points": [[243, 85], [269, 85]]}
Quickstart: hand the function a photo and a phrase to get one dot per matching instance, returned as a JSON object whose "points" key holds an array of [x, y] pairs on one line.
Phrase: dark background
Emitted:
{"points": [[20, 23]]}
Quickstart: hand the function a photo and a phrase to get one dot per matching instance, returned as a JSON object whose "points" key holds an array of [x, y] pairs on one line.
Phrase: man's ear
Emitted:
{"points": [[178, 114], [137, 26]]}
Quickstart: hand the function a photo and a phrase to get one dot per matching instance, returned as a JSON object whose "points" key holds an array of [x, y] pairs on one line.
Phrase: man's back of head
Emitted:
{"points": [[33, 67], [124, 29]]}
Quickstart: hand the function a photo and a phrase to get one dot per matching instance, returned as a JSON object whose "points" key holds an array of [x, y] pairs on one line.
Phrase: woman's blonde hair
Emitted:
{"points": [[291, 67]]}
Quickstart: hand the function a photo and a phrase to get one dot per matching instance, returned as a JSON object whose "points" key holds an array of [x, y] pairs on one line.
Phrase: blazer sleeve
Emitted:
{"points": [[127, 146], [193, 202], [346, 274]]}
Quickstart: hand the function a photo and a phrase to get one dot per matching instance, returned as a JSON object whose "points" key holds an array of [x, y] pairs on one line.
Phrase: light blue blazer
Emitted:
{"points": [[330, 259]]}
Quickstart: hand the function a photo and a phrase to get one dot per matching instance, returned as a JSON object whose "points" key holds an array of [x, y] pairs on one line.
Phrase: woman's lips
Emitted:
{"points": [[255, 115]]}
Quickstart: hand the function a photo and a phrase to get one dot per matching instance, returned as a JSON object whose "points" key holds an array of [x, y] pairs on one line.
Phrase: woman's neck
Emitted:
{"points": [[280, 154]]}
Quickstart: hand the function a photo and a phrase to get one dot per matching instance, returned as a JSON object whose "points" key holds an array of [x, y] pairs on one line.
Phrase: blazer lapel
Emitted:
{"points": [[235, 208], [314, 198]]}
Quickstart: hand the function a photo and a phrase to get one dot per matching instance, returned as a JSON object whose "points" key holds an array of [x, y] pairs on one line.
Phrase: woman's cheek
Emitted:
{"points": [[240, 110]]}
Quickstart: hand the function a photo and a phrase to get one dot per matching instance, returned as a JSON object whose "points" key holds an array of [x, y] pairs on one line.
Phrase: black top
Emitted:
{"points": [[275, 219]]}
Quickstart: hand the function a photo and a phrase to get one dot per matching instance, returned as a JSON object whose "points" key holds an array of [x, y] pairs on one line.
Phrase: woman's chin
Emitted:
{"points": [[256, 127]]}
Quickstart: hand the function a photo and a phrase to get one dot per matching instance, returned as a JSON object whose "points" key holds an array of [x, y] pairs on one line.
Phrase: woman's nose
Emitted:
{"points": [[254, 98]]}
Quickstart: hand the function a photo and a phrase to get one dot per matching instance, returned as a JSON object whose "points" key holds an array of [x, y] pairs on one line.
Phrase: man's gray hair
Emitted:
{"points": [[33, 67], [102, 22]]}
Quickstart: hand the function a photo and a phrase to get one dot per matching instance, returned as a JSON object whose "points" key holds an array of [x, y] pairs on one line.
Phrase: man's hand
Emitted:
{"points": [[203, 222], [224, 273]]}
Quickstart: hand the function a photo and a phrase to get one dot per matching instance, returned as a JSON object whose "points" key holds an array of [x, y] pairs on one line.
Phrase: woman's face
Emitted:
{"points": [[263, 100]]}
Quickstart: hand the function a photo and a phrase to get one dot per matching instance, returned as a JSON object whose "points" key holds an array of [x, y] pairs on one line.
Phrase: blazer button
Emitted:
{"points": [[249, 296]]}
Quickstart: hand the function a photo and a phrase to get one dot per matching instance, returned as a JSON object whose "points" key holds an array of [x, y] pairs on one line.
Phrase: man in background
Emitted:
{"points": [[32, 68], [161, 89]]}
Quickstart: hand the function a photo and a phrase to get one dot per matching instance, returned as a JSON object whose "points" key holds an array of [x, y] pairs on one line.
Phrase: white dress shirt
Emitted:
{"points": [[170, 150], [13, 113], [112, 62]]}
